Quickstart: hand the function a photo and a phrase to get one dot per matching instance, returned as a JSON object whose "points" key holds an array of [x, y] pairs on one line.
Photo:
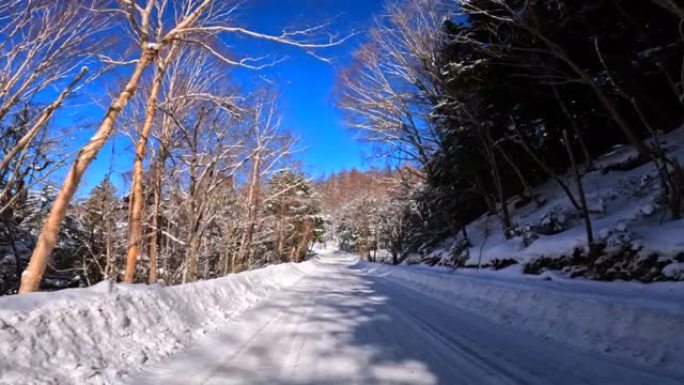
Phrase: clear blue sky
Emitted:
{"points": [[304, 83]]}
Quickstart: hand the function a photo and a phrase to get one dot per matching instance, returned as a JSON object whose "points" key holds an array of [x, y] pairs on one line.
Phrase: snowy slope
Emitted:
{"points": [[625, 211], [100, 334], [630, 321]]}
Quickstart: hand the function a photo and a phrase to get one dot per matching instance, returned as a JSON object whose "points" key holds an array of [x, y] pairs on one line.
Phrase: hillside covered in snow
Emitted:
{"points": [[629, 220]]}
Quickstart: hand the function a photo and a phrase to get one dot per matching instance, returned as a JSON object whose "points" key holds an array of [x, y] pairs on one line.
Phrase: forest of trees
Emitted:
{"points": [[364, 211], [490, 98], [474, 102], [213, 186]]}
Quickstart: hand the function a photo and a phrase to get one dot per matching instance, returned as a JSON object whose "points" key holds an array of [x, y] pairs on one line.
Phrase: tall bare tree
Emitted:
{"points": [[139, 19], [43, 45], [192, 78], [390, 89], [157, 27], [270, 147]]}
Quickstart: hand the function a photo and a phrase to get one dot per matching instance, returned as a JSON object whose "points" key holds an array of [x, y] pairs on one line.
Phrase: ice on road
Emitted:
{"points": [[339, 325]]}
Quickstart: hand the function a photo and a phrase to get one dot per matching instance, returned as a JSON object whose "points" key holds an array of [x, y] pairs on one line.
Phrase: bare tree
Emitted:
{"points": [[390, 89], [270, 147], [157, 28], [210, 161], [44, 117], [43, 44], [139, 21], [191, 79], [136, 197]]}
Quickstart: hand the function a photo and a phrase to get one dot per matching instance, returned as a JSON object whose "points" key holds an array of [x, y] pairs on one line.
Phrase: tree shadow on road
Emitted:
{"points": [[341, 326]]}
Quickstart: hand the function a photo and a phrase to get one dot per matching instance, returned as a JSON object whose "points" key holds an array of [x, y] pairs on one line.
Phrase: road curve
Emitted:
{"points": [[339, 326]]}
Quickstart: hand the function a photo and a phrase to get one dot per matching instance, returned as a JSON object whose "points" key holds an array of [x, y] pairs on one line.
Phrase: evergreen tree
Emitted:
{"points": [[295, 211], [100, 215]]}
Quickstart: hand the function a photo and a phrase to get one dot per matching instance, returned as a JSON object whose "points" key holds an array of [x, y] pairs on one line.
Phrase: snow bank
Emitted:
{"points": [[626, 320], [98, 335]]}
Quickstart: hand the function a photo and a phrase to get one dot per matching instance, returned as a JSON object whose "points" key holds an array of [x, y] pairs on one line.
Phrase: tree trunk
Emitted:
{"points": [[109, 266], [585, 150], [498, 184], [152, 250], [165, 257], [233, 268], [580, 190], [546, 168], [245, 250], [521, 177], [279, 236], [32, 276], [137, 196], [641, 147], [191, 258], [154, 244], [305, 235]]}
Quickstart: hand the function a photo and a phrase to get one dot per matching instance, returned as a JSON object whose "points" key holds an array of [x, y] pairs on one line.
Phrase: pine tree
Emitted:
{"points": [[101, 211], [295, 211]]}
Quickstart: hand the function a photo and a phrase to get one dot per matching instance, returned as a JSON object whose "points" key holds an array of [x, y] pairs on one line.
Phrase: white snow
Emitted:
{"points": [[337, 321], [100, 334], [374, 325], [624, 209], [626, 320], [675, 271]]}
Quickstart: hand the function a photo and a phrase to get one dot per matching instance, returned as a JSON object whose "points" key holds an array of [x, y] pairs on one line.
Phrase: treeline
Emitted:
{"points": [[490, 98], [213, 187], [203, 235], [362, 213]]}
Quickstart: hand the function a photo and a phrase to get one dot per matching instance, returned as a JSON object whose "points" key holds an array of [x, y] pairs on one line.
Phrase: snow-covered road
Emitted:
{"points": [[340, 325]]}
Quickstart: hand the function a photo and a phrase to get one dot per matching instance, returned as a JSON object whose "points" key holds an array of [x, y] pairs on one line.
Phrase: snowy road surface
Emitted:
{"points": [[342, 326]]}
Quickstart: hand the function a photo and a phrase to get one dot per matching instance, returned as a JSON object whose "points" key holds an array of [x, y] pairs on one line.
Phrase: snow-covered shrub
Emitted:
{"points": [[618, 238], [636, 187], [674, 270], [459, 252], [553, 222], [413, 259], [526, 234], [542, 264], [503, 263], [628, 263], [621, 260]]}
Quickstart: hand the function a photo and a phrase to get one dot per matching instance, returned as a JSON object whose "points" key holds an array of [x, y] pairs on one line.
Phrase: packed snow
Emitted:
{"points": [[336, 320], [100, 334], [632, 321]]}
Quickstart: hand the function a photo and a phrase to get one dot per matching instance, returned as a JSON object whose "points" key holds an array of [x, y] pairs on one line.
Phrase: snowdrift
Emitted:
{"points": [[98, 335], [630, 321]]}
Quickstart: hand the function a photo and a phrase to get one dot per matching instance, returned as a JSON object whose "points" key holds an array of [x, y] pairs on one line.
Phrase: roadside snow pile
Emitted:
{"points": [[98, 335], [626, 320], [630, 222]]}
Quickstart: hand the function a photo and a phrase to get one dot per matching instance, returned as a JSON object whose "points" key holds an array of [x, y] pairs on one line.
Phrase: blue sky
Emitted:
{"points": [[305, 86], [305, 83]]}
